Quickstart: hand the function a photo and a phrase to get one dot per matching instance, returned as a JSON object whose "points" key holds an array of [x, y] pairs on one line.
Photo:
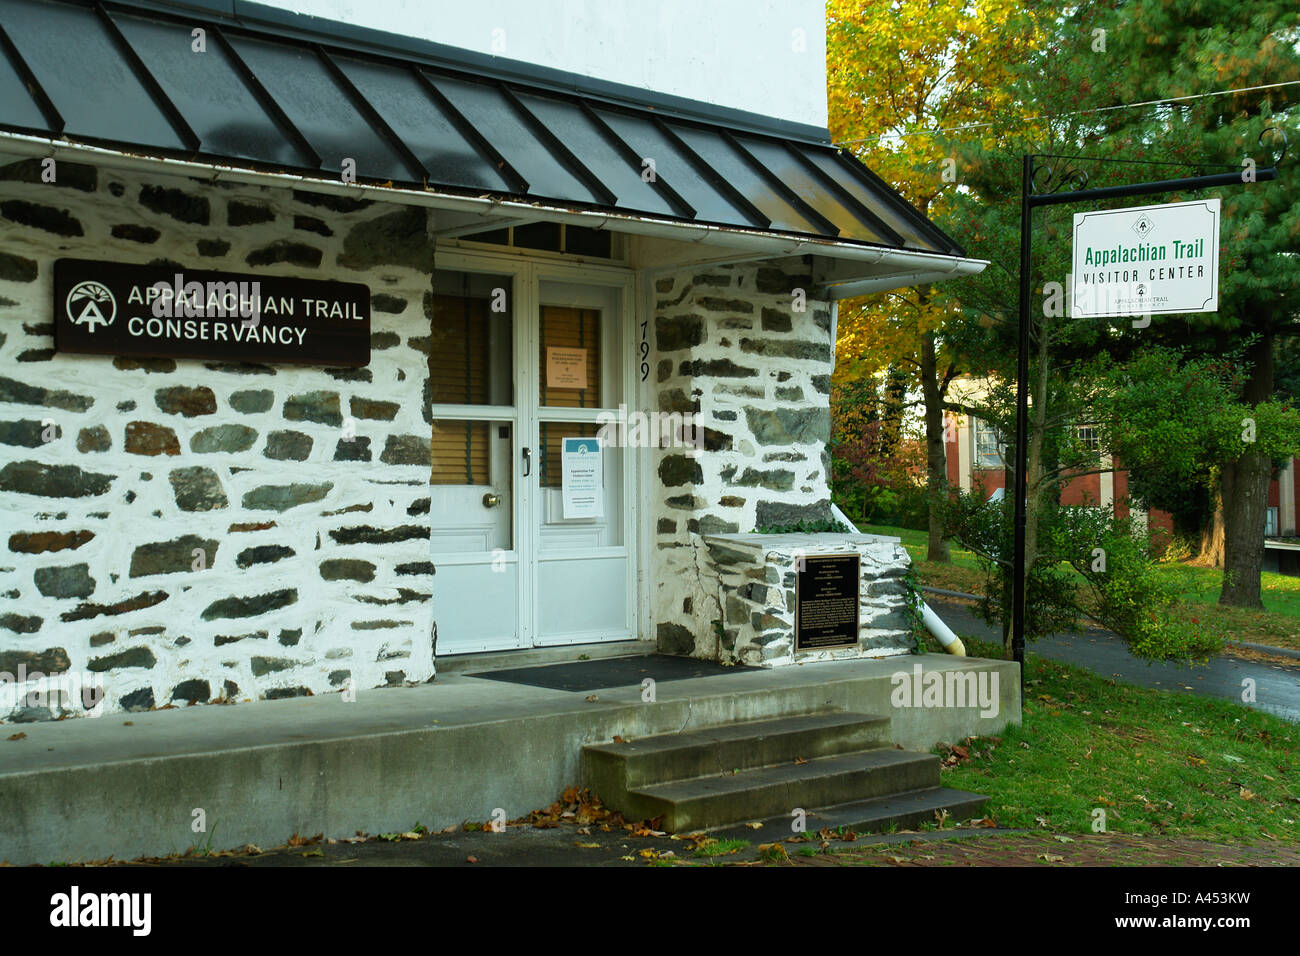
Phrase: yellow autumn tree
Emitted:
{"points": [[897, 70]]}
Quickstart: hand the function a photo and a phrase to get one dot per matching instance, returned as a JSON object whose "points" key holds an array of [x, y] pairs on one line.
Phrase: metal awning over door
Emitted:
{"points": [[220, 91]]}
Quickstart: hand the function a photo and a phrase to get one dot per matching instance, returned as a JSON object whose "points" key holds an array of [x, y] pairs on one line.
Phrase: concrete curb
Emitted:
{"points": [[1249, 645]]}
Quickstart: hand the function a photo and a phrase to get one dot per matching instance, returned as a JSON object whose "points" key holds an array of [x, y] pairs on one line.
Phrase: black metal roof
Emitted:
{"points": [[132, 79]]}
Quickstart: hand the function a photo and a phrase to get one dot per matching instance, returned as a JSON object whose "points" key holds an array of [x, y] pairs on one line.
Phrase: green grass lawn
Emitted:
{"points": [[1157, 762], [1198, 588]]}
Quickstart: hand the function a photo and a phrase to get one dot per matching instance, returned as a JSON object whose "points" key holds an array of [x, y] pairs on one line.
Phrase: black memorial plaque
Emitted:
{"points": [[108, 308], [826, 602]]}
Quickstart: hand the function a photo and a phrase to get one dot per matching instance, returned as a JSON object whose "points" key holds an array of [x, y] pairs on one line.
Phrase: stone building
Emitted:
{"points": [[543, 251]]}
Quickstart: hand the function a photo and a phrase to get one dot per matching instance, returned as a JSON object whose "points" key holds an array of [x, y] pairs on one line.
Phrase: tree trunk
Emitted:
{"points": [[1212, 535], [936, 460], [1243, 485]]}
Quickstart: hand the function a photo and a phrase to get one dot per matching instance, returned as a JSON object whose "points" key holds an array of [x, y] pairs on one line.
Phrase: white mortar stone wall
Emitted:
{"points": [[317, 570], [747, 353]]}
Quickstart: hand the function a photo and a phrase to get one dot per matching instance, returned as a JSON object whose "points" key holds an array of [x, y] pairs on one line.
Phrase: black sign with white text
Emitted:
{"points": [[826, 601], [108, 308]]}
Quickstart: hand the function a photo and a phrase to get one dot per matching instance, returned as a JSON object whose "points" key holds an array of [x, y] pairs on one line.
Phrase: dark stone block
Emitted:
{"points": [[235, 607], [212, 248], [284, 693], [133, 657], [252, 401], [138, 700], [17, 268], [712, 524], [84, 612], [284, 497], [406, 450], [717, 304], [53, 660], [347, 569], [678, 332], [221, 640], [774, 320], [21, 623], [247, 214], [26, 433], [239, 368], [373, 409], [392, 304], [675, 639], [288, 446], [172, 557], [779, 479], [350, 374], [136, 233], [130, 363], [190, 402], [786, 348], [787, 426], [398, 238], [354, 449], [36, 355], [320, 407], [716, 440], [416, 567], [679, 470], [69, 581], [312, 224], [716, 368], [194, 691], [666, 526], [223, 438], [420, 506], [20, 393], [290, 636], [178, 205], [283, 250], [146, 438], [725, 416], [52, 481], [676, 400], [336, 678], [66, 174], [770, 280], [792, 394], [102, 638], [269, 665], [197, 489], [39, 216], [263, 554], [41, 542], [367, 534], [94, 439]]}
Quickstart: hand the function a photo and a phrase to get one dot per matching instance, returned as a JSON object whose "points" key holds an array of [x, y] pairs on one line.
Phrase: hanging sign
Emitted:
{"points": [[582, 478], [1146, 260], [108, 308], [566, 368]]}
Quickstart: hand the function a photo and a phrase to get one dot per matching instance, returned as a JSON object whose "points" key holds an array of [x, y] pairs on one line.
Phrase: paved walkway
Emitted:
{"points": [[1277, 680]]}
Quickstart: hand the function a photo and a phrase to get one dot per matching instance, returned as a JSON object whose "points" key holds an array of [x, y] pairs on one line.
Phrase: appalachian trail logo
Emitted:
{"points": [[87, 304]]}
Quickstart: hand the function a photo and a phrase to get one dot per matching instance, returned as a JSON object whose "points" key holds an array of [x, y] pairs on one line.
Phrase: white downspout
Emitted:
{"points": [[933, 623]]}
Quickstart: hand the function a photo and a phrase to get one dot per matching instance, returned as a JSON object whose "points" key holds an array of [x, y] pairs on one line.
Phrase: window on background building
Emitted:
{"points": [[1270, 523], [988, 451], [1089, 438]]}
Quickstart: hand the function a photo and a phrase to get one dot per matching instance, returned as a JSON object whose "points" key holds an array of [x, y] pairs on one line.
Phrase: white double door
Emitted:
{"points": [[523, 355]]}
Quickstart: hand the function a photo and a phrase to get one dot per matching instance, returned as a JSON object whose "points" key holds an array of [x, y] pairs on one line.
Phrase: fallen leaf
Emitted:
{"points": [[18, 736], [471, 859], [592, 698], [586, 846], [617, 739], [1050, 857], [754, 826]]}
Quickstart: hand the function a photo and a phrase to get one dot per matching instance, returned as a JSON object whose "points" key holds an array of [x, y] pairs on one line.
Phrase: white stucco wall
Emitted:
{"points": [[765, 56]]}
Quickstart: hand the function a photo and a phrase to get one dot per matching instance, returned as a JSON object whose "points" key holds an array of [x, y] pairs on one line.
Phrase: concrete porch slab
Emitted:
{"points": [[438, 754]]}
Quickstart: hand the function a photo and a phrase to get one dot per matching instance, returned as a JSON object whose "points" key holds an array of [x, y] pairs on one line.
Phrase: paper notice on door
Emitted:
{"points": [[582, 477], [566, 368]]}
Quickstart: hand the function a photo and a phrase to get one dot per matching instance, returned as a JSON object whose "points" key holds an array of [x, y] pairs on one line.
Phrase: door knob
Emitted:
{"points": [[491, 500]]}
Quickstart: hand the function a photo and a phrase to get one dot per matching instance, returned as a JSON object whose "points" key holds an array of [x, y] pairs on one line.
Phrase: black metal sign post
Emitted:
{"points": [[1072, 182]]}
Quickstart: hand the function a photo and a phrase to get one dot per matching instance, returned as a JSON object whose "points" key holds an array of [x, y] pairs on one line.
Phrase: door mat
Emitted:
{"points": [[610, 672]]}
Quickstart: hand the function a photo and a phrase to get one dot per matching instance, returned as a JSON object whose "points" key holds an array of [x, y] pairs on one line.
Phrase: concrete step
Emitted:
{"points": [[706, 802], [903, 811], [612, 769]]}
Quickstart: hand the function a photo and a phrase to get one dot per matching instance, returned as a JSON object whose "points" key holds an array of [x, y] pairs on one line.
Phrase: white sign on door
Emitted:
{"points": [[1146, 260], [583, 479]]}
